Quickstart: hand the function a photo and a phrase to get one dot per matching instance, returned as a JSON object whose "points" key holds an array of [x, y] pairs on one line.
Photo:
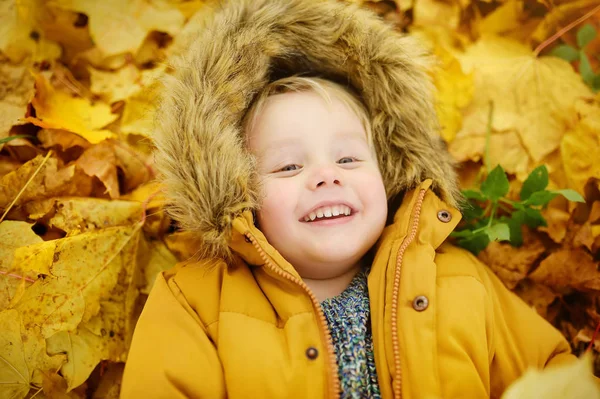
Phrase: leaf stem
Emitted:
{"points": [[488, 136], [564, 30], [26, 185], [494, 208]]}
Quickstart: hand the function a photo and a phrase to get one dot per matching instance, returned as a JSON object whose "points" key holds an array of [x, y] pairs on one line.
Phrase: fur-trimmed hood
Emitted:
{"points": [[209, 176]]}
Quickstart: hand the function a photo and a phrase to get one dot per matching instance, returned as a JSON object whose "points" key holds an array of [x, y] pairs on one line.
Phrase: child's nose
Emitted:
{"points": [[325, 176]]}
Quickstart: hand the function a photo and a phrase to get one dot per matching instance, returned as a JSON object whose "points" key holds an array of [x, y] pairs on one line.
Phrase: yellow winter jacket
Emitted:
{"points": [[237, 321], [443, 324]]}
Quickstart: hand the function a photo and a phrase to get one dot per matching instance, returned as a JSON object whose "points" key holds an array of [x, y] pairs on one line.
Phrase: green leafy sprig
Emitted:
{"points": [[585, 35], [490, 216]]}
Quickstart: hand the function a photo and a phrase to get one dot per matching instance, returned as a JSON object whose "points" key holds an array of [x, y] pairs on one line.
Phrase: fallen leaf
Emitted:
{"points": [[537, 295], [79, 215], [24, 352], [65, 140], [560, 15], [20, 36], [138, 114], [571, 380], [580, 147], [16, 91], [84, 351], [568, 268], [100, 161], [532, 100], [110, 382], [512, 264], [454, 87], [13, 235], [121, 26], [117, 85], [50, 181], [557, 224], [82, 271], [56, 109]]}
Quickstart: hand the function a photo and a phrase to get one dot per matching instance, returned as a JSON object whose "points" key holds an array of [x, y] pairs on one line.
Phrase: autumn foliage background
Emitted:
{"points": [[83, 233]]}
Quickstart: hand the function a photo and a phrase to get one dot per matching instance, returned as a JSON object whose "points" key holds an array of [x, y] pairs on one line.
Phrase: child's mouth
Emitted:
{"points": [[331, 220]]}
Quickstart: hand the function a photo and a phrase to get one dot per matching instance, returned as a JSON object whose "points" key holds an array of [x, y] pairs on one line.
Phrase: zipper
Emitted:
{"points": [[397, 385], [334, 381]]}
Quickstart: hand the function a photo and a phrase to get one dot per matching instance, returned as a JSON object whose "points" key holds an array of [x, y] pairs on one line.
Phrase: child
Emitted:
{"points": [[298, 140]]}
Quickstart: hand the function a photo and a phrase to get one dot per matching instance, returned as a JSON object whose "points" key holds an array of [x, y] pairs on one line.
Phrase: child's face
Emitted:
{"points": [[314, 160]]}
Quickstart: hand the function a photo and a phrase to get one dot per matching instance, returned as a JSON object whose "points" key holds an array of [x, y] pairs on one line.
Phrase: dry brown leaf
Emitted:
{"points": [[568, 268], [512, 264], [78, 215], [65, 140], [100, 161], [557, 224], [537, 295], [51, 181], [16, 91]]}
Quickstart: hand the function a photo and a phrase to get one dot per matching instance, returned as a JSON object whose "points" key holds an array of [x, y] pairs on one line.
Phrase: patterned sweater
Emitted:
{"points": [[348, 318]]}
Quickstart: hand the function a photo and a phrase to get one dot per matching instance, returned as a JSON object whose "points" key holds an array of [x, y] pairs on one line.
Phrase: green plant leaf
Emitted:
{"points": [[569, 194], [533, 218], [496, 184], [585, 35], [596, 83], [474, 195], [540, 198], [514, 223], [476, 243], [585, 69], [536, 181], [498, 232], [566, 52], [472, 212]]}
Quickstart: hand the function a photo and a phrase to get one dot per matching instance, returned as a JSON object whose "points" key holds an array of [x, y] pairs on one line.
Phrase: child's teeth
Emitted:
{"points": [[327, 212]]}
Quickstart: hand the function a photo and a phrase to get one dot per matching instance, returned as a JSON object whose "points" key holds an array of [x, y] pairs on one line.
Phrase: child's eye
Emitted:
{"points": [[289, 168], [347, 160]]}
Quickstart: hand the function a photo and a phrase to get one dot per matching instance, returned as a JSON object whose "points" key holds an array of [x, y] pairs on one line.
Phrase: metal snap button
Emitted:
{"points": [[444, 216], [312, 353], [420, 303]]}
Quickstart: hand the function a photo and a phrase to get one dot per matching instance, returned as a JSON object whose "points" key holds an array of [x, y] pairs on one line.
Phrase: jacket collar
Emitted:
{"points": [[437, 220]]}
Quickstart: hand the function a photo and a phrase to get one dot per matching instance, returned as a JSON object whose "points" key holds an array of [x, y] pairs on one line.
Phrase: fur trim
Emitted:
{"points": [[209, 176]]}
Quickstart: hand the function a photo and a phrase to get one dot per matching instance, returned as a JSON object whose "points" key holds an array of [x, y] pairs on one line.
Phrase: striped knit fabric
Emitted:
{"points": [[348, 317]]}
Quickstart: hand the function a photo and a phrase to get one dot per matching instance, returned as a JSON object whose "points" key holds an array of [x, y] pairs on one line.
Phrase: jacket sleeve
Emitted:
{"points": [[171, 355], [521, 338]]}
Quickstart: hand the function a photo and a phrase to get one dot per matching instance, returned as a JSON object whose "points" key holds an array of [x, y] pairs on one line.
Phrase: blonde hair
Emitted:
{"points": [[323, 87]]}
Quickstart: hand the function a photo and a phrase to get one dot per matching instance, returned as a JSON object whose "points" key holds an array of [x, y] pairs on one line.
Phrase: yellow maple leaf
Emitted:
{"points": [[120, 26], [57, 109], [117, 85], [77, 215], [13, 234], [454, 87], [574, 380], [22, 357], [580, 147], [532, 100], [138, 114], [20, 36], [82, 270]]}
